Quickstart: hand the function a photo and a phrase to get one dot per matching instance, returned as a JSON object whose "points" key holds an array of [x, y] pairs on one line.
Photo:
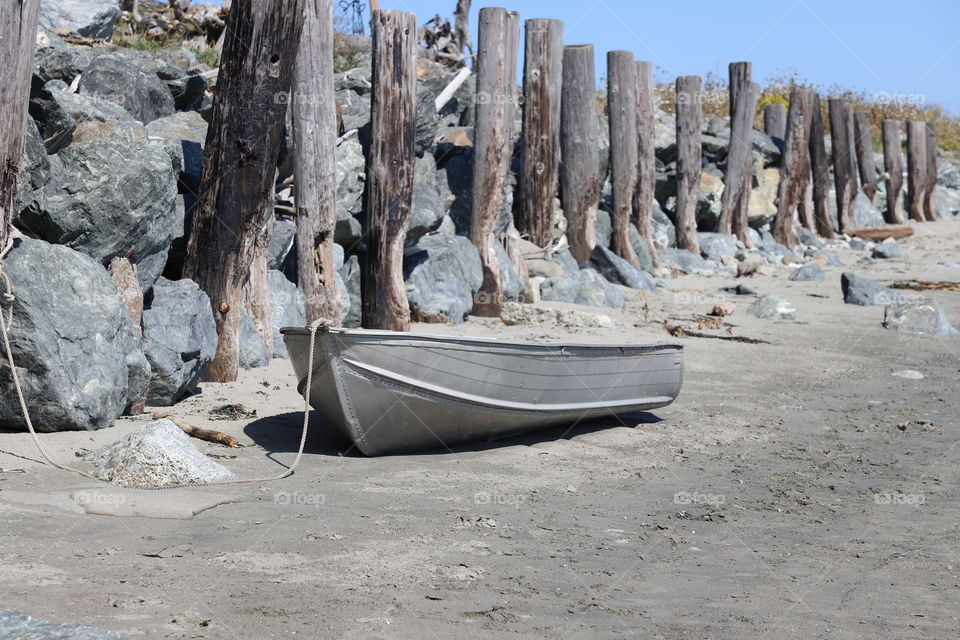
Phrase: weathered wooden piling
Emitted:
{"points": [[929, 211], [775, 120], [688, 111], [794, 168], [239, 165], [18, 39], [820, 170], [844, 164], [315, 138], [390, 168], [643, 195], [579, 140], [738, 181], [917, 168], [492, 147], [893, 167], [864, 146], [540, 160], [622, 107]]}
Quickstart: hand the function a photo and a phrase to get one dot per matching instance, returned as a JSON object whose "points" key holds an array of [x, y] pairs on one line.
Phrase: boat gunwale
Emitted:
{"points": [[402, 335]]}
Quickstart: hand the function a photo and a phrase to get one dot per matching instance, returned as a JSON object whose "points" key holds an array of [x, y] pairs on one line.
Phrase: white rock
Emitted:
{"points": [[909, 374]]}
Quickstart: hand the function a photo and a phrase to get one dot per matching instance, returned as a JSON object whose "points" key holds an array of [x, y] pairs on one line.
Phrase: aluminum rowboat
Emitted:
{"points": [[392, 392]]}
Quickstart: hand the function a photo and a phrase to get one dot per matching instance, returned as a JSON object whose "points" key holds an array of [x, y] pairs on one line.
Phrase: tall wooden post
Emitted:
{"points": [[237, 180], [390, 168], [775, 120], [497, 43], [688, 161], [929, 211], [893, 167], [820, 170], [865, 161], [844, 165], [622, 107], [794, 167], [579, 141], [738, 181], [18, 38], [917, 168], [314, 139], [646, 158], [540, 166]]}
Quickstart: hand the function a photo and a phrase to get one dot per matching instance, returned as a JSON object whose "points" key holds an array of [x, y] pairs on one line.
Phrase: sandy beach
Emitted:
{"points": [[800, 487]]}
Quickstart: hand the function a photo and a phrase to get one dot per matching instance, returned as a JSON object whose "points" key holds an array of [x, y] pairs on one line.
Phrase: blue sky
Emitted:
{"points": [[906, 49]]}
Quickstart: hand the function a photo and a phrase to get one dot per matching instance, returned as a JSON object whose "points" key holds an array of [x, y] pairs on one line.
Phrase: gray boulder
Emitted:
{"points": [[16, 626], [58, 114], [919, 315], [350, 276], [618, 271], [90, 18], [281, 243], [351, 179], [714, 246], [113, 77], [35, 170], [287, 308], [888, 251], [253, 350], [681, 260], [809, 238], [810, 272], [111, 197], [179, 339], [427, 210], [183, 135], [595, 291], [865, 214], [511, 284], [866, 292], [641, 248], [566, 286], [78, 357], [442, 275], [664, 233], [772, 307], [156, 455]]}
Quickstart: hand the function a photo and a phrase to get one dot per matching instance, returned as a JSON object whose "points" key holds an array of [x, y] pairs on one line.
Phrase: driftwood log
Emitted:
{"points": [[893, 168], [579, 140], [18, 39], [196, 432], [622, 107], [540, 160], [236, 184], [314, 139], [390, 169], [497, 44], [688, 111]]}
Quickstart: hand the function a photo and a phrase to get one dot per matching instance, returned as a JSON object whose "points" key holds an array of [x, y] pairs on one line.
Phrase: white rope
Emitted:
{"points": [[5, 326]]}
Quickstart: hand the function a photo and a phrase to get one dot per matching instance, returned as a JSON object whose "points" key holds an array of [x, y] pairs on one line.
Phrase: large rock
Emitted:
{"points": [[183, 134], [16, 626], [714, 246], [58, 114], [287, 308], [889, 251], [156, 455], [920, 315], [595, 291], [565, 286], [664, 232], [866, 292], [810, 272], [113, 77], [351, 179], [35, 170], [111, 197], [442, 276], [281, 243], [946, 201], [511, 284], [179, 339], [865, 214], [253, 350], [619, 271], [772, 307], [350, 276], [90, 18], [78, 357], [427, 210], [681, 260]]}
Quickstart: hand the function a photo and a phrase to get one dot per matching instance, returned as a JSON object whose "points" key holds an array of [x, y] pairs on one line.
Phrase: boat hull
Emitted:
{"points": [[392, 392]]}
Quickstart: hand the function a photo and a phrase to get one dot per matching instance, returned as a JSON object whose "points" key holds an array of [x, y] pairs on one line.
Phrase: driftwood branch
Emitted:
{"points": [[196, 432]]}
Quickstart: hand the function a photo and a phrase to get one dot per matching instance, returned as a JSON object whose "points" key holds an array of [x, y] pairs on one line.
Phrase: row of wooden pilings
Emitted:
{"points": [[560, 144]]}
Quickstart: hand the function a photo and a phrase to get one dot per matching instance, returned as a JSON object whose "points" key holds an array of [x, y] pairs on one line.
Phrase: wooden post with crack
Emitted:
{"points": [[929, 211], [497, 44], [844, 163], [738, 180], [579, 141], [688, 161], [390, 169], [624, 147], [893, 167], [643, 195], [820, 170], [917, 168], [239, 165], [315, 138], [794, 167], [18, 39]]}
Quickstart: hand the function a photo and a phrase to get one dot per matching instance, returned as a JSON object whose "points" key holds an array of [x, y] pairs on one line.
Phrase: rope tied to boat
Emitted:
{"points": [[6, 325]]}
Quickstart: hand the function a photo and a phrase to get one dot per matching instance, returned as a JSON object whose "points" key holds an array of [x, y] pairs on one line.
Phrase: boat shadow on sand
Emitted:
{"points": [[281, 434]]}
